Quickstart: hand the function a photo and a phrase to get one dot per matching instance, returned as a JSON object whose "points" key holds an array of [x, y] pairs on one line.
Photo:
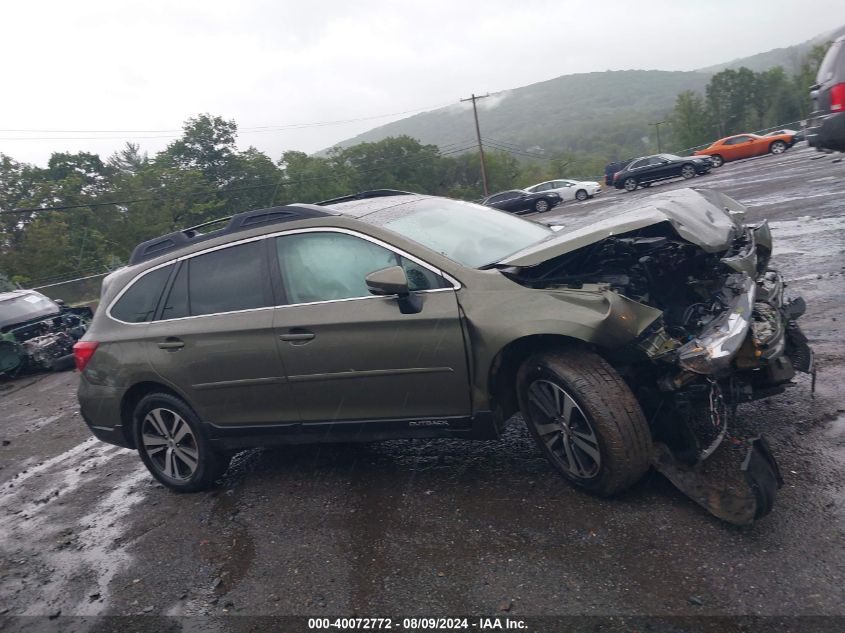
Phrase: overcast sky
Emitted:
{"points": [[132, 66]]}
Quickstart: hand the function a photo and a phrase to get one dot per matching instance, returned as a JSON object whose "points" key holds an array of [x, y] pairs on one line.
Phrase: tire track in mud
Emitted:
{"points": [[61, 523]]}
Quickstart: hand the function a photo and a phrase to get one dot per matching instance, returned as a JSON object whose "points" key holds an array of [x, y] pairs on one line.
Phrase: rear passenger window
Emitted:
{"points": [[138, 303], [227, 280]]}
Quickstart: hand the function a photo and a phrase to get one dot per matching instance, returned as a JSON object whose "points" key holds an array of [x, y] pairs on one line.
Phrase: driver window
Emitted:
{"points": [[332, 266]]}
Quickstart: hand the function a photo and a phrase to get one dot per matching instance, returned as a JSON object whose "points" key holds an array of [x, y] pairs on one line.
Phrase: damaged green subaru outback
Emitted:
{"points": [[625, 344]]}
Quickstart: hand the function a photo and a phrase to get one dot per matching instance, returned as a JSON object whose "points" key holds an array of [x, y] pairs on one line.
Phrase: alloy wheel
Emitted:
{"points": [[581, 195], [170, 444], [540, 206], [778, 147], [630, 184], [688, 171], [564, 429]]}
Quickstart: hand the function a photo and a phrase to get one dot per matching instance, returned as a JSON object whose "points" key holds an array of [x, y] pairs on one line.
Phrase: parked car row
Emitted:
{"points": [[542, 196]]}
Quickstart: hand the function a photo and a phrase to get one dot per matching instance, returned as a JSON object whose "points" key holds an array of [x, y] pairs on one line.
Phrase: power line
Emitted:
{"points": [[511, 150]]}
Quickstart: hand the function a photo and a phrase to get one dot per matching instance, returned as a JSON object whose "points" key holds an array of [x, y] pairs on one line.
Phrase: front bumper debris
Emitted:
{"points": [[737, 484]]}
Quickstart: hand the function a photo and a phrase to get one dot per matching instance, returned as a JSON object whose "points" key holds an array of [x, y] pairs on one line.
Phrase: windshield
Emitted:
{"points": [[25, 307], [464, 232]]}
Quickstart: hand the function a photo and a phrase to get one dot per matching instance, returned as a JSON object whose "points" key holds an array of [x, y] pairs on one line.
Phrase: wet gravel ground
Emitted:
{"points": [[445, 527]]}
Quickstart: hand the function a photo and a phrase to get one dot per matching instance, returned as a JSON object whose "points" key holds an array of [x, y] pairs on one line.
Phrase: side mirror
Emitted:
{"points": [[394, 281], [388, 281]]}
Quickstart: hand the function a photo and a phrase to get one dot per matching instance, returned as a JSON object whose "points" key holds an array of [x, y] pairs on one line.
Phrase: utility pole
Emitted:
{"points": [[657, 127], [473, 98]]}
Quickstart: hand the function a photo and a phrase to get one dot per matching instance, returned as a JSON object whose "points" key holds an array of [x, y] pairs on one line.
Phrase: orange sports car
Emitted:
{"points": [[746, 146]]}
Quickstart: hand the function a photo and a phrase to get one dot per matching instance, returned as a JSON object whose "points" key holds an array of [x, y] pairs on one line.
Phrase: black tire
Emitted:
{"points": [[541, 206], [601, 405], [581, 195], [156, 432], [717, 160], [630, 184], [778, 147], [688, 171]]}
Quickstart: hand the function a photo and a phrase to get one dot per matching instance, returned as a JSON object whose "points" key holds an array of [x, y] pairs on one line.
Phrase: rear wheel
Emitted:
{"points": [[717, 160], [585, 420], [581, 195], [688, 171], [173, 445], [541, 206], [630, 184], [778, 147]]}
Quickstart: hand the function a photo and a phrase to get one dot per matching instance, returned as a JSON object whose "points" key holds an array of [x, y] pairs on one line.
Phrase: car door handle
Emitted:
{"points": [[171, 343], [297, 336]]}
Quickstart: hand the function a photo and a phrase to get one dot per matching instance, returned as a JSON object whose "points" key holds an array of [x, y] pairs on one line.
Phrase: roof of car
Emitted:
{"points": [[356, 206], [360, 207]]}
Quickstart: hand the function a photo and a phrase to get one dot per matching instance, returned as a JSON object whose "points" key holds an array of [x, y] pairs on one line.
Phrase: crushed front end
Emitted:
{"points": [[42, 343], [727, 335]]}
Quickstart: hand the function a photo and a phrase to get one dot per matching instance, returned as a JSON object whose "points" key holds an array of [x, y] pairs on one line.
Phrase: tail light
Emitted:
{"points": [[82, 353], [615, 176], [837, 97]]}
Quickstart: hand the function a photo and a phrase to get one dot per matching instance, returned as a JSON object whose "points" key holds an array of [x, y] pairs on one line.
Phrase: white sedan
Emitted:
{"points": [[568, 189]]}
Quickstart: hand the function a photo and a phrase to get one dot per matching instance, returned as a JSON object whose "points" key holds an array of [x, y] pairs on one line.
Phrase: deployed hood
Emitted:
{"points": [[703, 217]]}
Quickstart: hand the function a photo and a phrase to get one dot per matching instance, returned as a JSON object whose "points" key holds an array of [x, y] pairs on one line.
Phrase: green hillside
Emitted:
{"points": [[569, 113]]}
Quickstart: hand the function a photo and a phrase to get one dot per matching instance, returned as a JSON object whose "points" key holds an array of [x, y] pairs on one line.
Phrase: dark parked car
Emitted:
{"points": [[522, 201], [37, 333], [611, 168], [389, 315], [648, 169], [826, 126]]}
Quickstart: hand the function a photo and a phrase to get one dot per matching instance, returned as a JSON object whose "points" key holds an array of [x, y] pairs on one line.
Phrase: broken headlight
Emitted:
{"points": [[712, 351]]}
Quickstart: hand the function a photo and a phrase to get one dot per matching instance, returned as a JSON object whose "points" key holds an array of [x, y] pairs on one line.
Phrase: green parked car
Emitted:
{"points": [[386, 315]]}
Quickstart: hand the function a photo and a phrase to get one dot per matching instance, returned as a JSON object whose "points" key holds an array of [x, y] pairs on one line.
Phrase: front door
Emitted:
{"points": [[351, 355]]}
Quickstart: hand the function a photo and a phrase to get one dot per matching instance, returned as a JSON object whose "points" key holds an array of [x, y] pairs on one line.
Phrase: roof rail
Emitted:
{"points": [[363, 195], [239, 222]]}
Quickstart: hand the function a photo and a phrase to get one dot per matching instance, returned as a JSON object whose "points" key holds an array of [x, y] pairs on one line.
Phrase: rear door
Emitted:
{"points": [[351, 355], [214, 338]]}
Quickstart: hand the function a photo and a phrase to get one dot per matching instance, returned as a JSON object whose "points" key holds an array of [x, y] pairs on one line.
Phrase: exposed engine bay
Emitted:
{"points": [[31, 340], [726, 334]]}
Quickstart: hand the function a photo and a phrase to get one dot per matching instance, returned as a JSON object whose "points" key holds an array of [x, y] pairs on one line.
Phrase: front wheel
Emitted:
{"points": [[716, 160], [585, 420], [688, 171], [778, 147], [581, 195], [173, 445], [630, 184], [541, 206]]}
